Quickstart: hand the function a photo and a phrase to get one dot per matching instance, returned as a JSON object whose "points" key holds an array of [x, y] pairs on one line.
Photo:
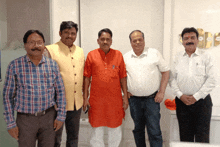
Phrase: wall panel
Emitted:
{"points": [[121, 17]]}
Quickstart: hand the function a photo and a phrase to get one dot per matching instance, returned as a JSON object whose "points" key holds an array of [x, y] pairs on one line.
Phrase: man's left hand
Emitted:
{"points": [[57, 125], [125, 102], [159, 97], [192, 99]]}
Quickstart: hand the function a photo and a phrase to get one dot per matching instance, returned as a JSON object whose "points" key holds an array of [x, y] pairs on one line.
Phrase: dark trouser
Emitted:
{"points": [[194, 120], [72, 129], [145, 112], [32, 128]]}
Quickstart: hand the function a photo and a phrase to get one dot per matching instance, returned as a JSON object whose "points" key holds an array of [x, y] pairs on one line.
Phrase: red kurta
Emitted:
{"points": [[105, 93]]}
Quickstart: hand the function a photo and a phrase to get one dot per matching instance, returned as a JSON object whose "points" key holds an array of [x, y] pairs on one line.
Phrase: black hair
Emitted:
{"points": [[188, 30], [29, 32], [107, 30], [136, 31], [68, 25]]}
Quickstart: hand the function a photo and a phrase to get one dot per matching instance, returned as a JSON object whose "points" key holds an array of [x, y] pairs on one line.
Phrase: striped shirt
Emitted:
{"points": [[29, 88]]}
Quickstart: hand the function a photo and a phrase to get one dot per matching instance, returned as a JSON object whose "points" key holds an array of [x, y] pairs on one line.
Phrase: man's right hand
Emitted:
{"points": [[14, 132], [85, 104], [129, 95], [186, 99]]}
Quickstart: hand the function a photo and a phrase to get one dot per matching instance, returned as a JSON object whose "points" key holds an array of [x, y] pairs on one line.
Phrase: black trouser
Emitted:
{"points": [[72, 124], [194, 120]]}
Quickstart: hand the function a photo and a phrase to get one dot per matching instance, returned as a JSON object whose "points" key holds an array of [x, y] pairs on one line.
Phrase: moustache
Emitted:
{"points": [[69, 38], [36, 49], [190, 43]]}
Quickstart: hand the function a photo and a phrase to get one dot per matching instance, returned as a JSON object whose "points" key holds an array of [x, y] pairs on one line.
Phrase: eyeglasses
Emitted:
{"points": [[105, 39], [191, 37], [33, 43]]}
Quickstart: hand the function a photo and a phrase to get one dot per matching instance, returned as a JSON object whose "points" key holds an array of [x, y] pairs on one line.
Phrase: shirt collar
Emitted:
{"points": [[144, 53], [27, 59], [196, 53], [63, 46], [102, 52]]}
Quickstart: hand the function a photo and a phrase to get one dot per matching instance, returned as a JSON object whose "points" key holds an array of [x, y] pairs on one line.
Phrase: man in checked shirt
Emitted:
{"points": [[30, 85]]}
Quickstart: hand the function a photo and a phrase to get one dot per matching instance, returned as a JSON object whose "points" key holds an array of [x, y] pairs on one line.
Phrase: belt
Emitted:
{"points": [[152, 95], [38, 113]]}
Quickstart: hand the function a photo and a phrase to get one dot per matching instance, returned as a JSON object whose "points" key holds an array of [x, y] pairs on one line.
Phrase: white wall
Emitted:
{"points": [[122, 17], [62, 10], [187, 13], [3, 23], [199, 14], [161, 21]]}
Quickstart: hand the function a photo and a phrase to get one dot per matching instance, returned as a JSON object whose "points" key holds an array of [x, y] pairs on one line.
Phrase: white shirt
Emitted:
{"points": [[192, 75], [144, 71]]}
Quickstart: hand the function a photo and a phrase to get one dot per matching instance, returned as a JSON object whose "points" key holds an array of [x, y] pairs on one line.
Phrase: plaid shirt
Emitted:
{"points": [[29, 88]]}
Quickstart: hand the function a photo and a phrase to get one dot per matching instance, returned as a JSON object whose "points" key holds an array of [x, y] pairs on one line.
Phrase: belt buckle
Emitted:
{"points": [[36, 113]]}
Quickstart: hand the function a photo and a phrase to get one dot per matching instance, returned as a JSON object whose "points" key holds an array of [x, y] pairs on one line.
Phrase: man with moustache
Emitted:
{"points": [[192, 79], [70, 59], [107, 69], [30, 85], [146, 89]]}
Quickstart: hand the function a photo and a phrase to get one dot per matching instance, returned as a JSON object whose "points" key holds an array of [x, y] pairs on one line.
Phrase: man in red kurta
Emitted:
{"points": [[106, 106]]}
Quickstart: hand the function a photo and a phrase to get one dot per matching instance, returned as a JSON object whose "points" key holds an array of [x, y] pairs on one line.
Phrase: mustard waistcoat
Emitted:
{"points": [[71, 64]]}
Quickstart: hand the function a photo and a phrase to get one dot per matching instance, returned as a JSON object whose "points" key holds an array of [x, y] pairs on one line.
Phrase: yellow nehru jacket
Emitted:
{"points": [[71, 64]]}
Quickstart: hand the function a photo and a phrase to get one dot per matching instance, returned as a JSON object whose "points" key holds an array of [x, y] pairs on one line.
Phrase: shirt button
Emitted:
{"points": [[105, 68], [72, 57]]}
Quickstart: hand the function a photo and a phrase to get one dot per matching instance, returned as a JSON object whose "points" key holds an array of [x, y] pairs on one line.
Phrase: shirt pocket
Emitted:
{"points": [[200, 70], [115, 71], [48, 80], [24, 81]]}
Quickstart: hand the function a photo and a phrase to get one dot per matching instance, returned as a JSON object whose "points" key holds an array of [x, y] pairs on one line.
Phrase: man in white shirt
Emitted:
{"points": [[146, 89], [192, 79]]}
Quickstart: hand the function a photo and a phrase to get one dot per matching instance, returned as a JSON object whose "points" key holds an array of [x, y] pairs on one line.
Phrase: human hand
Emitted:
{"points": [[186, 99], [159, 97], [125, 102], [57, 125], [129, 95], [192, 99], [85, 104], [14, 132]]}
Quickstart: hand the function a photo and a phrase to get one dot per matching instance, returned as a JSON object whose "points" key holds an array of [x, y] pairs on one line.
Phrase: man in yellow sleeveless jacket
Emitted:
{"points": [[70, 59]]}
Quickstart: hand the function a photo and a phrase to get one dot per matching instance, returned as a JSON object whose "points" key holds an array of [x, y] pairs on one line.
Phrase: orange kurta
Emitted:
{"points": [[105, 93]]}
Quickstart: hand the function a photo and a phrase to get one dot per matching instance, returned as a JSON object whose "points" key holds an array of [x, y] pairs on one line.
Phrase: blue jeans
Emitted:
{"points": [[145, 112]]}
